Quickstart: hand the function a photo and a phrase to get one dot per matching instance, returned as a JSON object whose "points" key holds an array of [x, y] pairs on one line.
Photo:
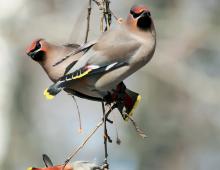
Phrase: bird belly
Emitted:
{"points": [[110, 79], [100, 85], [86, 86]]}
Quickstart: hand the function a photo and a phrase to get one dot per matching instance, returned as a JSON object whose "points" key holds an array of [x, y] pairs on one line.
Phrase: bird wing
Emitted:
{"points": [[78, 49], [89, 70], [113, 47], [112, 51], [47, 160], [72, 45]]}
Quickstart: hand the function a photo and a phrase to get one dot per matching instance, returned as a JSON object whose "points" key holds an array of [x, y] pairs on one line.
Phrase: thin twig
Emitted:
{"points": [[79, 115], [108, 14], [86, 139], [113, 14], [139, 131], [99, 4], [88, 20], [118, 140], [83, 143], [106, 165], [104, 15]]}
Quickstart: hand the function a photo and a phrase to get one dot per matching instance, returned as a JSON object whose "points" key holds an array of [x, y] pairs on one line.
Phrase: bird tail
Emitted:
{"points": [[52, 91], [131, 101], [125, 100]]}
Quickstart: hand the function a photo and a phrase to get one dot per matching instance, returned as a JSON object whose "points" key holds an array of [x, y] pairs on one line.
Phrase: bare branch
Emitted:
{"points": [[105, 137], [83, 143], [88, 20]]}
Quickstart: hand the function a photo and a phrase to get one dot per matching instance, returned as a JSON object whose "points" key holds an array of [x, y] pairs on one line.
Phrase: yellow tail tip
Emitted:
{"points": [[48, 95], [29, 168], [134, 107]]}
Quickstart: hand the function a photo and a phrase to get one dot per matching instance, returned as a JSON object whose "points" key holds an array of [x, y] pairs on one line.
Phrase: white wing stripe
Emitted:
{"points": [[110, 66]]}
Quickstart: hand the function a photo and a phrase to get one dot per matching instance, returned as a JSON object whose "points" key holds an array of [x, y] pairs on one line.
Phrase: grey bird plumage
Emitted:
{"points": [[100, 66]]}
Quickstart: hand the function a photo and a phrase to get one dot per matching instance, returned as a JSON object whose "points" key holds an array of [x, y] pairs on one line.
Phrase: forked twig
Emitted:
{"points": [[87, 139], [138, 130]]}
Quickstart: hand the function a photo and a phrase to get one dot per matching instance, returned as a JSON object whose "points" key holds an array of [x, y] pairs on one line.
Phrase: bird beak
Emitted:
{"points": [[32, 53]]}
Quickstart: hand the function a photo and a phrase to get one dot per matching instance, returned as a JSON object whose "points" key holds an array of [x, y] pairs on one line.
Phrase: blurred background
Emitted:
{"points": [[180, 89]]}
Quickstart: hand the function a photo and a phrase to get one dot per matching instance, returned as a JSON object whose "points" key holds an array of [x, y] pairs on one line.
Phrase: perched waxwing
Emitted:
{"points": [[48, 55], [113, 57], [77, 165]]}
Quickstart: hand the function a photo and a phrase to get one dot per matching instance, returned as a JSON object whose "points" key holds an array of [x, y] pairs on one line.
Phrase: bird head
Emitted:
{"points": [[140, 17], [37, 50]]}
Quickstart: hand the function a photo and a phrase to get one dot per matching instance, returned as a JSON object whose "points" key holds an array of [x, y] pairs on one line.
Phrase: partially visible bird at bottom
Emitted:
{"points": [[77, 165]]}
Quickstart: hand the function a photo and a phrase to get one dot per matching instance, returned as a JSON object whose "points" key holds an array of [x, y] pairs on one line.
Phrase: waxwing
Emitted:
{"points": [[77, 165], [110, 59], [48, 54]]}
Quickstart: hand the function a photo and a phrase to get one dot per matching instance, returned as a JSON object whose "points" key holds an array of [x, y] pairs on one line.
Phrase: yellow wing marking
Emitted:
{"points": [[82, 75]]}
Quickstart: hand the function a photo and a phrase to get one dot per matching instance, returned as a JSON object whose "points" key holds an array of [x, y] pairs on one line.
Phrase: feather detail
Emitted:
{"points": [[138, 100], [48, 95]]}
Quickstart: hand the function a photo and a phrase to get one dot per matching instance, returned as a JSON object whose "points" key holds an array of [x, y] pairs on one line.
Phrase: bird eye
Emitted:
{"points": [[149, 14], [38, 45]]}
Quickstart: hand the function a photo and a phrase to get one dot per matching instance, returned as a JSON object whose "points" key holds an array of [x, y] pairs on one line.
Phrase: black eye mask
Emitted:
{"points": [[144, 22], [39, 56], [37, 46], [135, 15]]}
